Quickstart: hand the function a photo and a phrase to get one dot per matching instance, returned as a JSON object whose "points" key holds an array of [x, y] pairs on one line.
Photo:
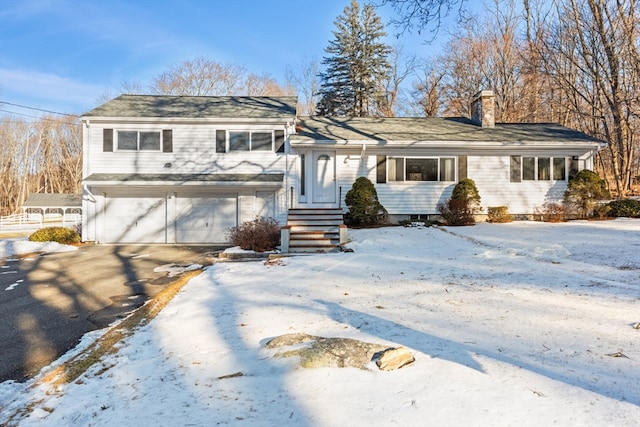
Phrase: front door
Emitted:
{"points": [[324, 182]]}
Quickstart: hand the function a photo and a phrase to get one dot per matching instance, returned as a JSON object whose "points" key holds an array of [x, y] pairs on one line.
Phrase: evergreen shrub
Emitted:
{"points": [[629, 208], [62, 235], [584, 190], [498, 214], [464, 203], [364, 207]]}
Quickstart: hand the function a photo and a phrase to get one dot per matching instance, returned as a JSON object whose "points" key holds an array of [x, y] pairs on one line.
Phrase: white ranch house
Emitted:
{"points": [[182, 169]]}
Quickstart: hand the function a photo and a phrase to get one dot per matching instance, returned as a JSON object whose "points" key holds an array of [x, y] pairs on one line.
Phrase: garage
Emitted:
{"points": [[175, 208], [135, 219], [205, 219]]}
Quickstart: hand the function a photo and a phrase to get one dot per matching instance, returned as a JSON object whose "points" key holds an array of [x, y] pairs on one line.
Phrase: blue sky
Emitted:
{"points": [[63, 55]]}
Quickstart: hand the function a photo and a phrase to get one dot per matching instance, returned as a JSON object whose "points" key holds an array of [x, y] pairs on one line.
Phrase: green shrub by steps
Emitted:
{"points": [[63, 235], [364, 207], [498, 214], [629, 208]]}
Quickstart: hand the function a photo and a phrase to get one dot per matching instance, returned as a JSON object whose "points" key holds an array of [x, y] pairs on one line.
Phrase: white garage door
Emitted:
{"points": [[206, 219], [135, 220]]}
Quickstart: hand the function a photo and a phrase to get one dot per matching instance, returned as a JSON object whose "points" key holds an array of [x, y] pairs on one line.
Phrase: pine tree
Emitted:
{"points": [[356, 63]]}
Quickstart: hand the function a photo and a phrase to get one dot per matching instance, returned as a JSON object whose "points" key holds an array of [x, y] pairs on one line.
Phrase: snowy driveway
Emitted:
{"points": [[48, 301]]}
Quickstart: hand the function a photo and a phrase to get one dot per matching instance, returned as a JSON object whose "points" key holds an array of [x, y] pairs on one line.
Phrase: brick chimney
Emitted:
{"points": [[483, 109]]}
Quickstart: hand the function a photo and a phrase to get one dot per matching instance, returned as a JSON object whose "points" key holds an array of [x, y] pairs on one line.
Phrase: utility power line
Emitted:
{"points": [[37, 109], [48, 119]]}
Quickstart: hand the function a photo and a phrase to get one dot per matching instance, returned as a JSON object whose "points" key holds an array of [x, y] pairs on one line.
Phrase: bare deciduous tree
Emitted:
{"points": [[401, 67], [428, 89], [204, 77], [591, 54], [423, 15], [304, 78], [43, 156]]}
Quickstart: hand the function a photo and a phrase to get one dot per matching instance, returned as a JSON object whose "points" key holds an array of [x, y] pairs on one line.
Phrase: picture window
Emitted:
{"points": [[432, 169]]}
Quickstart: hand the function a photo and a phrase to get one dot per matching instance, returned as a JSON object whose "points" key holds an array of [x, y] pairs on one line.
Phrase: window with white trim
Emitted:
{"points": [[250, 141], [424, 169], [134, 140], [245, 140], [525, 168]]}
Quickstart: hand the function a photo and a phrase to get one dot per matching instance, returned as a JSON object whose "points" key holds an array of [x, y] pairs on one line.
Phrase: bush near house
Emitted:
{"points": [[498, 214], [260, 235], [464, 203], [554, 212], [629, 208], [601, 210], [364, 207], [62, 235], [583, 192]]}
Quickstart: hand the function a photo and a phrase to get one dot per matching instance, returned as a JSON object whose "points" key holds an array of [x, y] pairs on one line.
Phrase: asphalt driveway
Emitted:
{"points": [[49, 301]]}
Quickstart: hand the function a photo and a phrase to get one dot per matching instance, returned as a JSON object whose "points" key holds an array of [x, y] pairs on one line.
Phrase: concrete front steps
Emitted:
{"points": [[313, 231]]}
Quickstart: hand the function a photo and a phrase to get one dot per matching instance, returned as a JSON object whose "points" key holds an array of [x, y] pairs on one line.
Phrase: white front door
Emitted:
{"points": [[324, 177]]}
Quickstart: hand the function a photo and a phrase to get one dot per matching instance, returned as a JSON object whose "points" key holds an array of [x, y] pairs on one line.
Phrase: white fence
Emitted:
{"points": [[34, 221]]}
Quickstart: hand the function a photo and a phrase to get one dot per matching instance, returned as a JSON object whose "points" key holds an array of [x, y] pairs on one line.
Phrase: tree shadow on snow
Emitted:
{"points": [[462, 353]]}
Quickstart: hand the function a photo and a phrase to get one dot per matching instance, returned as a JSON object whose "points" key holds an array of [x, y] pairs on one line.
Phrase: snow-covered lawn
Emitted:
{"points": [[518, 324]]}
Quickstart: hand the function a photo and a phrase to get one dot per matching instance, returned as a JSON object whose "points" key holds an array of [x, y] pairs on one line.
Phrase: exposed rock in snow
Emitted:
{"points": [[319, 352]]}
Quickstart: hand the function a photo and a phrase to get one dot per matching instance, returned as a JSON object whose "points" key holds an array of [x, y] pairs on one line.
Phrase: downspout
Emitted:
{"points": [[86, 155], [287, 148], [285, 231]]}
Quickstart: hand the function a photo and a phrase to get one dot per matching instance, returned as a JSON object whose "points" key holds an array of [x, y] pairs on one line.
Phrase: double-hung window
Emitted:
{"points": [[525, 168], [430, 169], [250, 141], [137, 140], [133, 140], [244, 140]]}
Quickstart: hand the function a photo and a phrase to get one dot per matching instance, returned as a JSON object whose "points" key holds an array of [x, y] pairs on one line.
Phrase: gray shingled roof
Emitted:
{"points": [[431, 129], [198, 107], [39, 200], [184, 178]]}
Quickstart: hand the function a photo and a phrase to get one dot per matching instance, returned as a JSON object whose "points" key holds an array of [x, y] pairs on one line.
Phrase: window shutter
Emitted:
{"points": [[381, 169], [516, 167], [221, 141], [279, 135], [462, 167], [167, 141], [107, 140]]}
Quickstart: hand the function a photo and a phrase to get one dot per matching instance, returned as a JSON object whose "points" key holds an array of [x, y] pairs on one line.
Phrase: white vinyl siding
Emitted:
{"points": [[492, 177], [193, 151], [399, 198], [490, 173]]}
